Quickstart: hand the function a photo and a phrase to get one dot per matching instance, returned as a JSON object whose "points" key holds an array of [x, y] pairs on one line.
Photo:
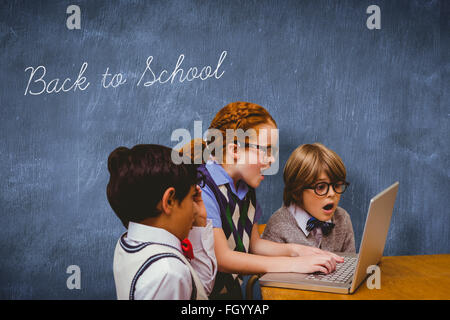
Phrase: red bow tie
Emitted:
{"points": [[186, 246]]}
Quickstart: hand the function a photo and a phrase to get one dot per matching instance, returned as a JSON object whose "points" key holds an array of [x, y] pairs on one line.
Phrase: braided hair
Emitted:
{"points": [[234, 116]]}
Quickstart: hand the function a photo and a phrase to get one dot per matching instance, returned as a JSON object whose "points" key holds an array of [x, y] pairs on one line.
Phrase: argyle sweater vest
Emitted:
{"points": [[237, 218]]}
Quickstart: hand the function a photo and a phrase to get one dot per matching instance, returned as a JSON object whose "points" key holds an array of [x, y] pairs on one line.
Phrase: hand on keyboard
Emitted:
{"points": [[342, 273], [301, 250]]}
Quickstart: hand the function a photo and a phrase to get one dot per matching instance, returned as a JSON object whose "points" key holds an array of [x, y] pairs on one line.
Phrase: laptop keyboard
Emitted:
{"points": [[343, 272]]}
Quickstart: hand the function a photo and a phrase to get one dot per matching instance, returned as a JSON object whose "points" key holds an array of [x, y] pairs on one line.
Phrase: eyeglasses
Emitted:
{"points": [[322, 188], [269, 151]]}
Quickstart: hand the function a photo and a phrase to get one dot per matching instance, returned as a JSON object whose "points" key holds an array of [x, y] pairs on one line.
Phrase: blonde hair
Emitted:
{"points": [[304, 167]]}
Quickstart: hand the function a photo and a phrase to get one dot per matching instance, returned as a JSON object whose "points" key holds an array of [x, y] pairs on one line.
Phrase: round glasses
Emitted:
{"points": [[322, 188]]}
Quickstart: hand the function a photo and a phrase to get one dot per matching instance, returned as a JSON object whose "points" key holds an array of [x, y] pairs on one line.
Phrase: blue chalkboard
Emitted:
{"points": [[379, 98]]}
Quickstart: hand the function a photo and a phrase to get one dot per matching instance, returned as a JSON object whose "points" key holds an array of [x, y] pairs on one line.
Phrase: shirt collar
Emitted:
{"points": [[220, 177], [301, 217], [143, 233]]}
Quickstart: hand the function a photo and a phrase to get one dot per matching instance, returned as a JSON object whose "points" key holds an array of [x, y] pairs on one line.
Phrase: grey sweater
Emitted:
{"points": [[282, 227]]}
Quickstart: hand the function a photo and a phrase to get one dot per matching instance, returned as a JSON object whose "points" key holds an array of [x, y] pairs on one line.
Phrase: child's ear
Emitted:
{"points": [[168, 200]]}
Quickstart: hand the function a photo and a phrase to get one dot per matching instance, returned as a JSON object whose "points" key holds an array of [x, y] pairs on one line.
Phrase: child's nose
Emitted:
{"points": [[266, 165], [267, 160], [271, 159], [331, 192]]}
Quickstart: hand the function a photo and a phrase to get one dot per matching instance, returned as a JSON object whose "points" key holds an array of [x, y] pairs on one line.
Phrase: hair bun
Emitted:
{"points": [[117, 159]]}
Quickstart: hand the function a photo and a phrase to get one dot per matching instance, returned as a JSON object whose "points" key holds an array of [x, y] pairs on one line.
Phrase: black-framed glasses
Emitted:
{"points": [[322, 188], [269, 151]]}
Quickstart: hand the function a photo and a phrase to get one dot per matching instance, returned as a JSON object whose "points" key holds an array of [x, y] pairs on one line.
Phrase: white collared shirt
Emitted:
{"points": [[170, 278], [302, 217]]}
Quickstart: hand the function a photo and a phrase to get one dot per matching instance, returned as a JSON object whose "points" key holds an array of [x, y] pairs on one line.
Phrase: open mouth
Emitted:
{"points": [[328, 207]]}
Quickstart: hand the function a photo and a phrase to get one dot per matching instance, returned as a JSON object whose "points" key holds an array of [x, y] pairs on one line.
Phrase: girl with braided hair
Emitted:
{"points": [[230, 201]]}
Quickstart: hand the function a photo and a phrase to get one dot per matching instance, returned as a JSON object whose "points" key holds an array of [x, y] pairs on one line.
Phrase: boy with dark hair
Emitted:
{"points": [[159, 203]]}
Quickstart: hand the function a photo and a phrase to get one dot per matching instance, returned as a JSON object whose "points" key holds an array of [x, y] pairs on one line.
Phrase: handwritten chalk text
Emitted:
{"points": [[39, 84], [53, 85], [191, 73]]}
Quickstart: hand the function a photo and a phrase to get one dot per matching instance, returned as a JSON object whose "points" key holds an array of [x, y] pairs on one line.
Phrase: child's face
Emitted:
{"points": [[321, 207], [185, 214], [256, 160]]}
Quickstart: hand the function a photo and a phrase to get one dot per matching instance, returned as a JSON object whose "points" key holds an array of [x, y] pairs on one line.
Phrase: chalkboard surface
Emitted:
{"points": [[378, 97]]}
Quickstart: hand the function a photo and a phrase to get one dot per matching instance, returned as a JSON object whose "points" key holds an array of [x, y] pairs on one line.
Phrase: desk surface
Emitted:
{"points": [[402, 278]]}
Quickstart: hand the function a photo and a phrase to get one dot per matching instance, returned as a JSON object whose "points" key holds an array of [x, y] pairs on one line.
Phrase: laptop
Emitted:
{"points": [[348, 275]]}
